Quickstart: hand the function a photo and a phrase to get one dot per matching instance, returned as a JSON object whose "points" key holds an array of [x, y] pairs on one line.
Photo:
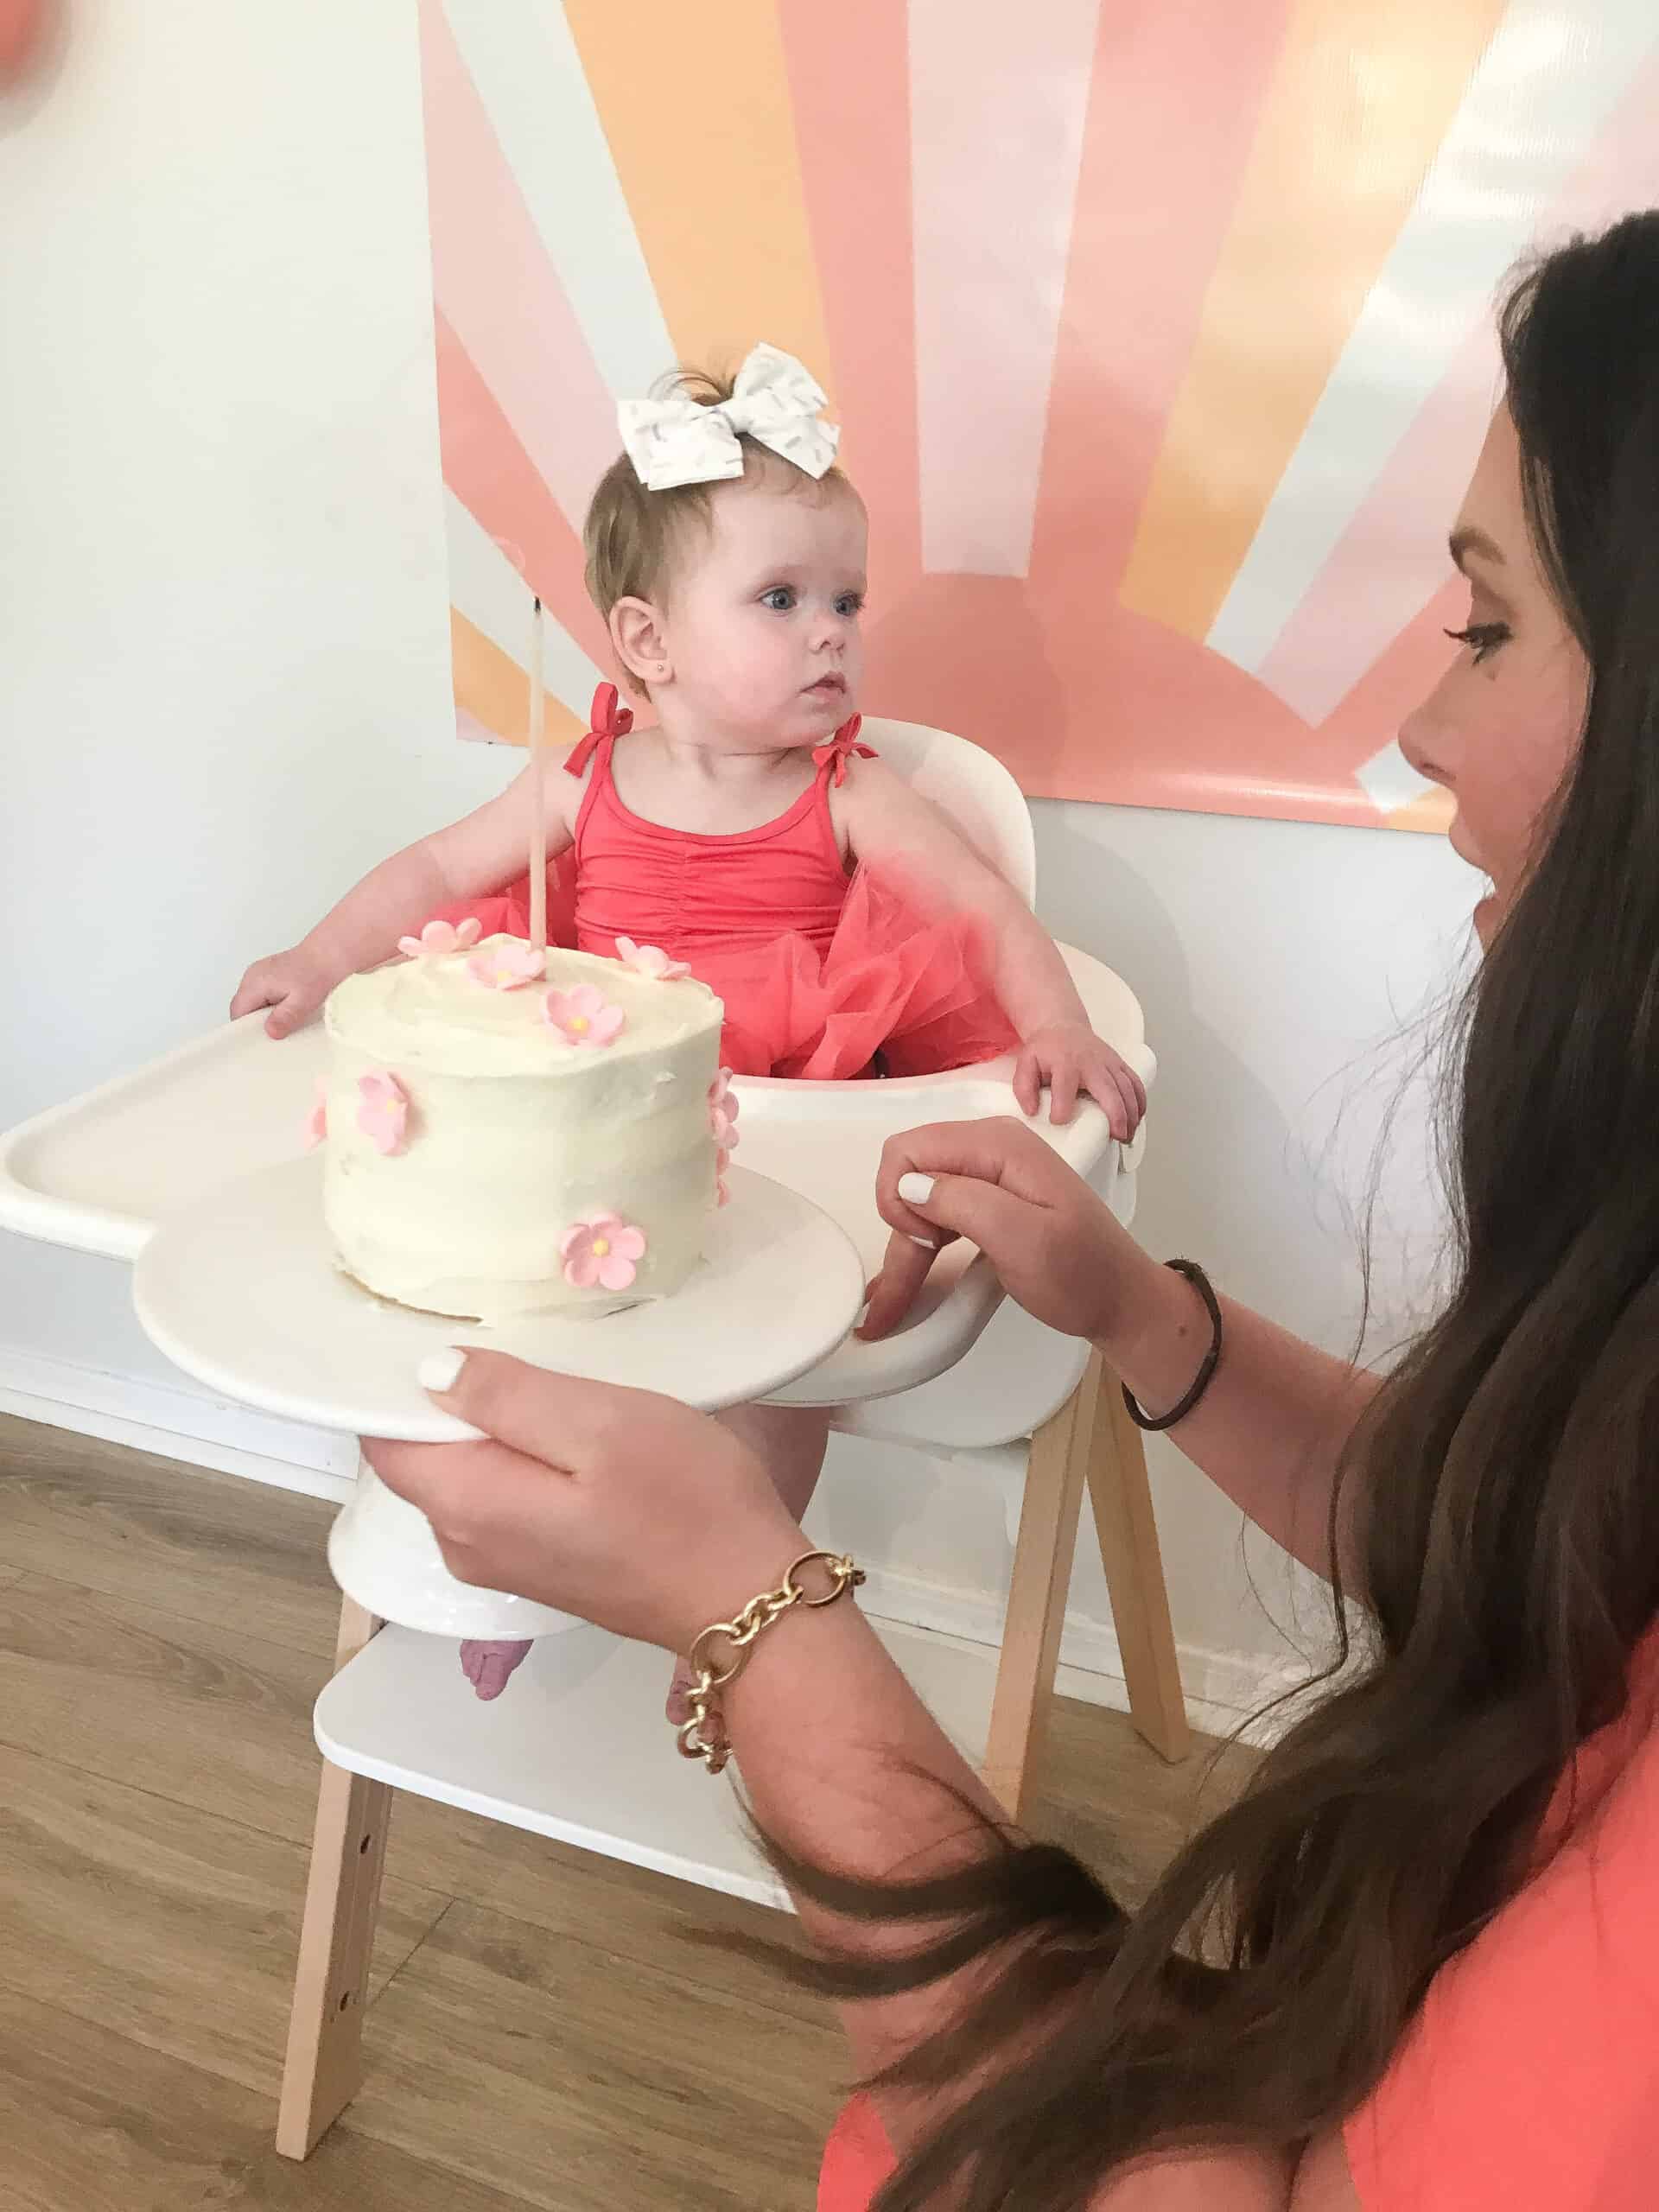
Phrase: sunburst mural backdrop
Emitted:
{"points": [[1161, 335]]}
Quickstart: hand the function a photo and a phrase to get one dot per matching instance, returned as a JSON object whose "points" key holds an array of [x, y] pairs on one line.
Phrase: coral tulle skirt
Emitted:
{"points": [[892, 992]]}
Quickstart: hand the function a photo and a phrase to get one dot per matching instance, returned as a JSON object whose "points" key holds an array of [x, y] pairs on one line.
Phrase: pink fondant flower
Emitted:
{"points": [[722, 1161], [602, 1248], [442, 937], [722, 1112], [317, 1122], [650, 960], [581, 1017], [382, 1111], [508, 965]]}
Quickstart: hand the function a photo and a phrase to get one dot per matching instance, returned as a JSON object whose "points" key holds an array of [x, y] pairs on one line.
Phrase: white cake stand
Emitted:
{"points": [[241, 1291]]}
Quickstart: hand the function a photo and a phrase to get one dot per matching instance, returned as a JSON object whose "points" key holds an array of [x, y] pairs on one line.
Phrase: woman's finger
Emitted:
{"points": [[1002, 1151], [433, 1476], [562, 1420], [893, 1293], [997, 1220]]}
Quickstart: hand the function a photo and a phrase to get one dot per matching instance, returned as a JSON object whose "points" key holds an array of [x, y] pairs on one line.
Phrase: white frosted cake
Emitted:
{"points": [[507, 1133]]}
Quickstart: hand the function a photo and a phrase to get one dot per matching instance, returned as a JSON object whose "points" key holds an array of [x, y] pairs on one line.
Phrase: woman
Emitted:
{"points": [[1417, 1965]]}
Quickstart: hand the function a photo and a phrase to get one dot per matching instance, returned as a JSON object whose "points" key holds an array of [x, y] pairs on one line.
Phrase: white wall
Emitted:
{"points": [[222, 679]]}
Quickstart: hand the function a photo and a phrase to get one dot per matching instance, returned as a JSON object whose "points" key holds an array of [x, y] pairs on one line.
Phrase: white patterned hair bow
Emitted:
{"points": [[775, 400]]}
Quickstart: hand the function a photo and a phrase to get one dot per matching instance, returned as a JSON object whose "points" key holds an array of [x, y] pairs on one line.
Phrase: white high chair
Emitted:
{"points": [[970, 1377]]}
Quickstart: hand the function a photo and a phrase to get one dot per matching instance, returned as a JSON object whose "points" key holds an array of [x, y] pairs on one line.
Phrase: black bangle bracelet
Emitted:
{"points": [[1200, 1283]]}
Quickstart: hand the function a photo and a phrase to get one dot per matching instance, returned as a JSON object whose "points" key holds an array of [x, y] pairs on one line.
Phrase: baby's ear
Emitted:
{"points": [[641, 645]]}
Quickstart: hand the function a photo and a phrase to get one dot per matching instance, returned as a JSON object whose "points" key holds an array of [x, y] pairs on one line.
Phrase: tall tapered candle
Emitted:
{"points": [[537, 787]]}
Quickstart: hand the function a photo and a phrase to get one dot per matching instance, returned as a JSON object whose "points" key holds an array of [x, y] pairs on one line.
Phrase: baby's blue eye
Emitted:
{"points": [[780, 599], [850, 603]]}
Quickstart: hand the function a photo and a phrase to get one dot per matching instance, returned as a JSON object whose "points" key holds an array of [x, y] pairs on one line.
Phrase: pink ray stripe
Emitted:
{"points": [[1406, 672], [997, 104], [1147, 234], [1392, 556], [490, 473], [851, 98], [494, 284]]}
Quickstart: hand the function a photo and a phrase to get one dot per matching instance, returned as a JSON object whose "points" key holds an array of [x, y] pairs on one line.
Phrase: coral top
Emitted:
{"points": [[821, 971], [703, 897], [824, 975], [1529, 2080]]}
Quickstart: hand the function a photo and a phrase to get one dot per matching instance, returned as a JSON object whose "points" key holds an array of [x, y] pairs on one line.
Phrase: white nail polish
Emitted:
{"points": [[927, 1243], [439, 1370], [915, 1190]]}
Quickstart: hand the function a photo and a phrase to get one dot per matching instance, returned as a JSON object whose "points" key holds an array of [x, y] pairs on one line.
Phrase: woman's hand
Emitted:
{"points": [[1073, 1061], [1055, 1246], [293, 984], [617, 1505]]}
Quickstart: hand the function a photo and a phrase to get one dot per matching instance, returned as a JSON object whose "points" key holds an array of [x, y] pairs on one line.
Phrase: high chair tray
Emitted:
{"points": [[99, 1173]]}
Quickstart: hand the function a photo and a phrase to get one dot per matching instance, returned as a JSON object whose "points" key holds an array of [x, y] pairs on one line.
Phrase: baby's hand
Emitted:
{"points": [[293, 984], [1069, 1058]]}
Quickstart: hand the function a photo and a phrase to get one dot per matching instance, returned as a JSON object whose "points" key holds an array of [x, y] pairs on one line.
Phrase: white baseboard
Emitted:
{"points": [[203, 1432], [1223, 1687]]}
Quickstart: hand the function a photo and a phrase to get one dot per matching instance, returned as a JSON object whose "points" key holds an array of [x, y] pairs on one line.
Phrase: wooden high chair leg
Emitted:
{"points": [[1043, 1554], [323, 2070], [1134, 1573], [1090, 1440]]}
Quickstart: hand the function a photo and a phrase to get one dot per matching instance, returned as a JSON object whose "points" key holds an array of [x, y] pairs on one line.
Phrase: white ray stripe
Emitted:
{"points": [[998, 104], [1544, 86], [1389, 781], [524, 60], [489, 591]]}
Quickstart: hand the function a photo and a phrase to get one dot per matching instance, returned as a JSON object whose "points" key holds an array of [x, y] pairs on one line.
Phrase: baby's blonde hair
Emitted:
{"points": [[632, 537]]}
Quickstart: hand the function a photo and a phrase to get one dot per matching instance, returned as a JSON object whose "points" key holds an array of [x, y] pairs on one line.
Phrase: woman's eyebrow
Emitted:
{"points": [[1469, 540]]}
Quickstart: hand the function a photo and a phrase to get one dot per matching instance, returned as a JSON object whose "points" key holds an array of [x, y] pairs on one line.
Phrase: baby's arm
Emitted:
{"points": [[476, 855], [896, 831]]}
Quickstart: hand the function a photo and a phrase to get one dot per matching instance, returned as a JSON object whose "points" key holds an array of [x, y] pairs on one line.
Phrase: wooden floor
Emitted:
{"points": [[547, 2028]]}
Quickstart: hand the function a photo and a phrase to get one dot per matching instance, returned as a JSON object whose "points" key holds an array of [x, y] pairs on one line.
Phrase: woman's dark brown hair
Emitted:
{"points": [[1503, 1483]]}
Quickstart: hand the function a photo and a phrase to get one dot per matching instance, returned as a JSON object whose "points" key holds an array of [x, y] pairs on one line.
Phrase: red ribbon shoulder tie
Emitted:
{"points": [[842, 748], [608, 718]]}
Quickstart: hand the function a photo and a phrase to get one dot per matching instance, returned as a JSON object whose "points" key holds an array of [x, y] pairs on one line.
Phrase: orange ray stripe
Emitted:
{"points": [[1430, 816], [1359, 106], [495, 690], [695, 105], [1141, 261]]}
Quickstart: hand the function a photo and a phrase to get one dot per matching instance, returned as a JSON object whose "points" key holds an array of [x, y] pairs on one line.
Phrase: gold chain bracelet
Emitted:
{"points": [[703, 1736]]}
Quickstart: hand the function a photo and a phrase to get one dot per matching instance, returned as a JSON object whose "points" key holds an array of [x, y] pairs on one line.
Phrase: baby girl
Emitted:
{"points": [[841, 918]]}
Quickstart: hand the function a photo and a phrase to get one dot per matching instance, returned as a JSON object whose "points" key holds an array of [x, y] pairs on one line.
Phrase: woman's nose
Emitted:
{"points": [[1424, 741]]}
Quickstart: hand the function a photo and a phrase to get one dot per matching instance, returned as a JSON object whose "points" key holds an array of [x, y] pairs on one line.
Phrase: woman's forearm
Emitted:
{"points": [[1269, 1429], [845, 1768]]}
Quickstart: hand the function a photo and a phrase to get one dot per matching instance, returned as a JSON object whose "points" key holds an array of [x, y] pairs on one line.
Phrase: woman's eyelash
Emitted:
{"points": [[1485, 637]]}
